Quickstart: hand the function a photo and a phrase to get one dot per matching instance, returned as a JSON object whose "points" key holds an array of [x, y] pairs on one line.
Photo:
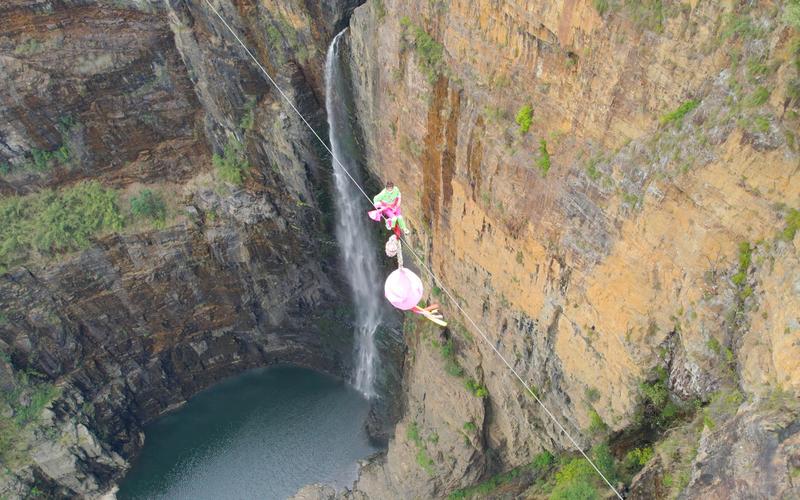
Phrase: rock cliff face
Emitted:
{"points": [[138, 95], [606, 188]]}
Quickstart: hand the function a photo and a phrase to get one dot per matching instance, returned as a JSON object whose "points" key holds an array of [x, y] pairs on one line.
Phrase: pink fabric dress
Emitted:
{"points": [[389, 211], [387, 206]]}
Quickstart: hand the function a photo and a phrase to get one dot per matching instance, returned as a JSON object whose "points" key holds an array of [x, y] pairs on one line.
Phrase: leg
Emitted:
{"points": [[401, 221]]}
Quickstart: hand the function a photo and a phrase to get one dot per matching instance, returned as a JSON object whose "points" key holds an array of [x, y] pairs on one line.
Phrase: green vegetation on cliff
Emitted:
{"points": [[577, 479], [574, 478], [452, 367], [648, 15], [791, 13], [740, 278], [451, 363], [524, 118], [39, 161], [792, 224], [423, 459], [286, 40], [678, 114], [20, 408], [477, 389], [543, 161], [52, 222], [232, 166], [724, 404], [248, 120], [430, 53], [636, 459], [540, 464], [150, 205]]}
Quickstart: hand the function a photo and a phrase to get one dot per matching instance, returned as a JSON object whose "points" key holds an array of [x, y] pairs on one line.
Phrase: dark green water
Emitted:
{"points": [[260, 435]]}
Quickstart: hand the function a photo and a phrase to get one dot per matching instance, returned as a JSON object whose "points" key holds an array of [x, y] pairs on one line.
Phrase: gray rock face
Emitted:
{"points": [[64, 461], [141, 323], [244, 277], [104, 81], [754, 455]]}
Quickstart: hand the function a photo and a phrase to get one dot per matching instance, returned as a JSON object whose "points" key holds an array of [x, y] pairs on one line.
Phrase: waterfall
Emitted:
{"points": [[359, 259]]}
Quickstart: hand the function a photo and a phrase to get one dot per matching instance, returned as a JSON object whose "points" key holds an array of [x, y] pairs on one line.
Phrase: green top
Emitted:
{"points": [[387, 196]]}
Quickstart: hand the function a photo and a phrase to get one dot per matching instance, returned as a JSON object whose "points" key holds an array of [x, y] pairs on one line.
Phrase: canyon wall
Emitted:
{"points": [[608, 190], [139, 95]]}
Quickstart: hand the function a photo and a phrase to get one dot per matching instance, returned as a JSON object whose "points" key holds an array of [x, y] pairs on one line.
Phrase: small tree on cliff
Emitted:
{"points": [[232, 166], [524, 118], [150, 205]]}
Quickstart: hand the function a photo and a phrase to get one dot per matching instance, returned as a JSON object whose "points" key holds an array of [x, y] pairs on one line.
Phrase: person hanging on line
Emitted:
{"points": [[403, 288], [387, 205]]}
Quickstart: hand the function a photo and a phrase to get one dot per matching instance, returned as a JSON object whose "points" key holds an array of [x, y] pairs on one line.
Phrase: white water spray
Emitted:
{"points": [[360, 263]]}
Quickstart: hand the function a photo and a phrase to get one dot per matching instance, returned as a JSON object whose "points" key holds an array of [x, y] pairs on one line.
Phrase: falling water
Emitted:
{"points": [[360, 263]]}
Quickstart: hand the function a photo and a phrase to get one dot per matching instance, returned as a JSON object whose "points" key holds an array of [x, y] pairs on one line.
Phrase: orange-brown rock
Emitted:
{"points": [[605, 241]]}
